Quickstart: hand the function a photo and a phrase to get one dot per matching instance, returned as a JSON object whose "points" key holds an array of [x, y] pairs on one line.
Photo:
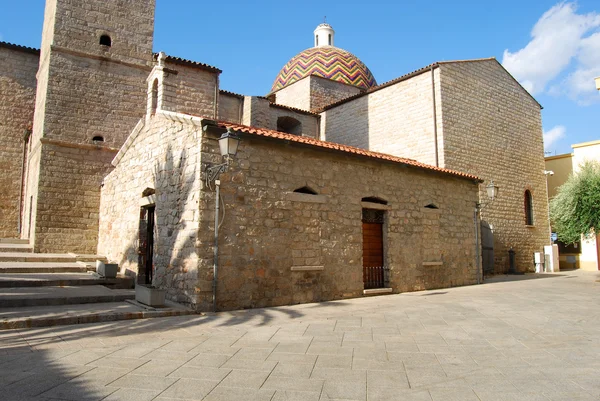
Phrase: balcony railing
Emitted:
{"points": [[376, 277]]}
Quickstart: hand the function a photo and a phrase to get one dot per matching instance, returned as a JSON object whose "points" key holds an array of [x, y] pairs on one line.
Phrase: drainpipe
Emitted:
{"points": [[216, 247], [435, 133], [475, 223]]}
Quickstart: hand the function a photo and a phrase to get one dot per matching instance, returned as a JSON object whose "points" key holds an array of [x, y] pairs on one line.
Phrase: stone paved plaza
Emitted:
{"points": [[514, 338]]}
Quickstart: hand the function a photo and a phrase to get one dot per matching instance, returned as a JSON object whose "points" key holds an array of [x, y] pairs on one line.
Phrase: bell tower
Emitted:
{"points": [[95, 57]]}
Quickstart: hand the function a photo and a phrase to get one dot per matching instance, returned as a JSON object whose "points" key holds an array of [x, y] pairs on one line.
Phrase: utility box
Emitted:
{"points": [[552, 264], [538, 258], [107, 270]]}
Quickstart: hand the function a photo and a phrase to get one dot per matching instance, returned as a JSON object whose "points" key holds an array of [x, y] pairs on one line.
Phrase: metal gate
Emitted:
{"points": [[487, 248]]}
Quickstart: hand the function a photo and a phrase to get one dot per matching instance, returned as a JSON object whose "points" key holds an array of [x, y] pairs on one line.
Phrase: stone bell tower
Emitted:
{"points": [[95, 57]]}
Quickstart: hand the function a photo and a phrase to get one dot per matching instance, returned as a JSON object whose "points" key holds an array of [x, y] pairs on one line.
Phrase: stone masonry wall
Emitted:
{"points": [[493, 129], [397, 120], [85, 89], [69, 196], [230, 108], [325, 91], [310, 123], [18, 67], [191, 91], [295, 95], [164, 156], [268, 229]]}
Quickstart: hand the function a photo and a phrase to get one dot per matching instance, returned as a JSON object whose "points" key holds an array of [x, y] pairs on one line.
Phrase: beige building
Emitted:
{"points": [[336, 175], [585, 254]]}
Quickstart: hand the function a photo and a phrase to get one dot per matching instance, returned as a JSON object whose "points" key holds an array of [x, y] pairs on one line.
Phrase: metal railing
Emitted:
{"points": [[376, 277]]}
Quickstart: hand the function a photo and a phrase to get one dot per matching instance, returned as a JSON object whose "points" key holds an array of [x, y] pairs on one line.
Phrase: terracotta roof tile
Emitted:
{"points": [[341, 148], [190, 63], [224, 92], [19, 47]]}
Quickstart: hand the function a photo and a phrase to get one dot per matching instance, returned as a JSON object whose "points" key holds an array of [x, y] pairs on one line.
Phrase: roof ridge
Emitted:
{"points": [[191, 63]]}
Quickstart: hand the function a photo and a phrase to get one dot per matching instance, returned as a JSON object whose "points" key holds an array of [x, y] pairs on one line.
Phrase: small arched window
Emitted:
{"points": [[98, 139], [105, 40], [329, 39], [289, 125], [316, 40], [374, 199], [306, 190], [528, 208], [154, 99]]}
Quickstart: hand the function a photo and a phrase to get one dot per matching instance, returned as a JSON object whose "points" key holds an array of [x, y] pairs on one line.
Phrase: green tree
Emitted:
{"points": [[575, 210]]}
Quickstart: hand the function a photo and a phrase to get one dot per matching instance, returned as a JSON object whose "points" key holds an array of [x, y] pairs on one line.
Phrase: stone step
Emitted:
{"points": [[21, 248], [43, 316], [13, 241], [52, 296], [12, 280], [48, 257], [45, 267]]}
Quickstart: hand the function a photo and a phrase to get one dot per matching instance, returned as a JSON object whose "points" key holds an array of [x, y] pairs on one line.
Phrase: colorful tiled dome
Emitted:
{"points": [[327, 62]]}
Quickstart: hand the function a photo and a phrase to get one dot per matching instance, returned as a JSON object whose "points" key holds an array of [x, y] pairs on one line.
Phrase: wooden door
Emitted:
{"points": [[373, 269]]}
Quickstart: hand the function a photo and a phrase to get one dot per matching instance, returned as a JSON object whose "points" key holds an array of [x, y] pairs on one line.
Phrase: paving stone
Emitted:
{"points": [[143, 382], [200, 373], [190, 389], [128, 394], [229, 393]]}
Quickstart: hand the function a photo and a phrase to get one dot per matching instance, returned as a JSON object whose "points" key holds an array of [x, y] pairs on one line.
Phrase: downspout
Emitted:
{"points": [[475, 223], [216, 247], [435, 133], [22, 183]]}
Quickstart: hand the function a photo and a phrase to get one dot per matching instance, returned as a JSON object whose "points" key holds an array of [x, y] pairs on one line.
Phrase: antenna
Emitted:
{"points": [[325, 19]]}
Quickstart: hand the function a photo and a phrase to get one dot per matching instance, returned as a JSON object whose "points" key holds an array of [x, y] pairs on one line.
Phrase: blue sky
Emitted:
{"points": [[552, 48]]}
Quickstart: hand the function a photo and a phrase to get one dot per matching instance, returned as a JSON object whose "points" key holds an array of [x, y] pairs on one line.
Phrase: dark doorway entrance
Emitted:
{"points": [[372, 232], [146, 248], [487, 249]]}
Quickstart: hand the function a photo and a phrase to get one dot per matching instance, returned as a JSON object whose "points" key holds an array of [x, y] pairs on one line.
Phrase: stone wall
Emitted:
{"points": [[493, 129], [85, 90], [310, 122], [164, 156], [259, 112], [313, 93], [325, 91], [268, 229], [191, 90], [18, 66], [295, 95], [396, 119], [230, 108], [69, 196]]}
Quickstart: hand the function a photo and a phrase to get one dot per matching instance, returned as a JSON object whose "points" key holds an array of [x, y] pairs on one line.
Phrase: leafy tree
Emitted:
{"points": [[575, 210]]}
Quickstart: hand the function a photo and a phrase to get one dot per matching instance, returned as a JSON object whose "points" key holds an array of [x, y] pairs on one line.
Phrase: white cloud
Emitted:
{"points": [[550, 137], [563, 43]]}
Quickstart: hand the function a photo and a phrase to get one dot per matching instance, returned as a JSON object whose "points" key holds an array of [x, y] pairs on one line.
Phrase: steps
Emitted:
{"points": [[55, 289]]}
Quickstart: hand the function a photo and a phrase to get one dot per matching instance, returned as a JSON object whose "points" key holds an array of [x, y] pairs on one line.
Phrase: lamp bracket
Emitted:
{"points": [[212, 172]]}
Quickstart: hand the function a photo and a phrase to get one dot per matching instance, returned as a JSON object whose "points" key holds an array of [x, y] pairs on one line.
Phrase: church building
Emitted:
{"points": [[338, 187]]}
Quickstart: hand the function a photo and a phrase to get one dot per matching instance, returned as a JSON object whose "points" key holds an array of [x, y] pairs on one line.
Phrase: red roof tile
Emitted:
{"points": [[341, 148]]}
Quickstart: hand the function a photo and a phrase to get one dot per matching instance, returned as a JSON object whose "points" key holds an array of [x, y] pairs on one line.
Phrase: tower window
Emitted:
{"points": [[105, 40], [329, 39], [289, 125], [528, 208], [317, 40], [98, 139]]}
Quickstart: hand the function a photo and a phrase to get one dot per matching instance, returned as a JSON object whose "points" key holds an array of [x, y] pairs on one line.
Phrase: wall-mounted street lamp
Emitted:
{"points": [[492, 191], [228, 145]]}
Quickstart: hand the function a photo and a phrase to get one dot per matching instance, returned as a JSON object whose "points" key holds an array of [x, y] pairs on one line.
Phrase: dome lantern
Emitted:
{"points": [[324, 34]]}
